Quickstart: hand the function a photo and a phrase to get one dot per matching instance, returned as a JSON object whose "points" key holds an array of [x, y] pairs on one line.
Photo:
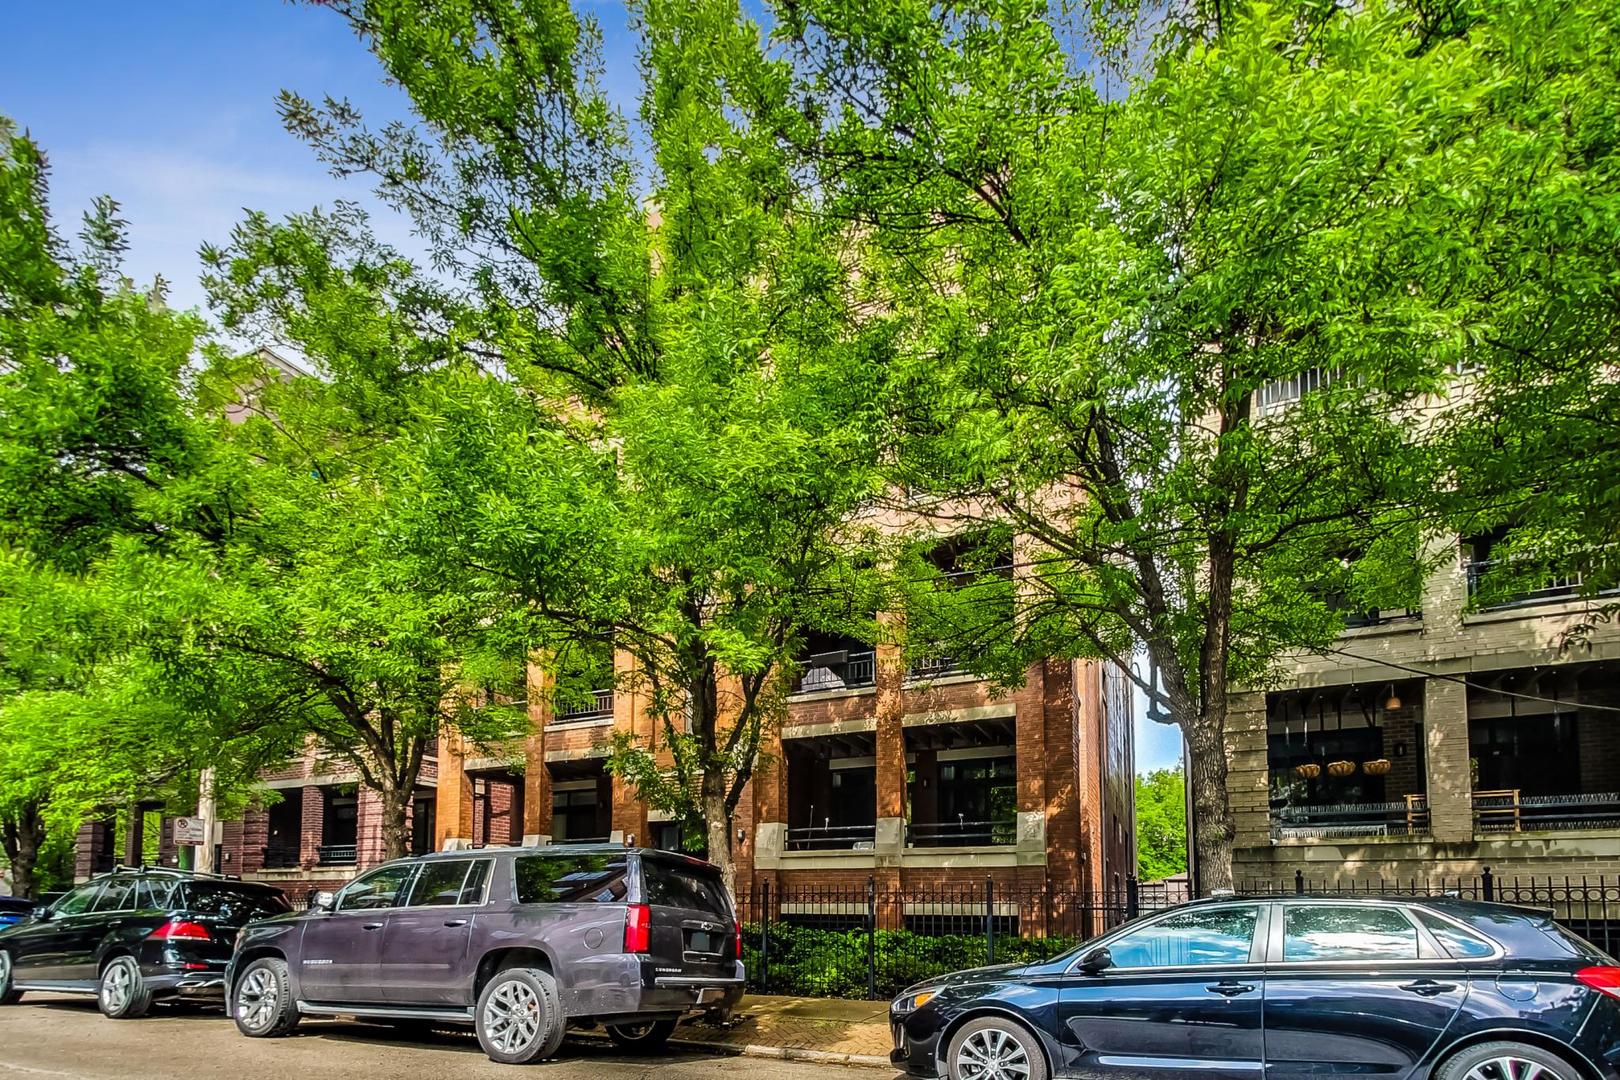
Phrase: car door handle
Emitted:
{"points": [[1228, 988], [371, 926], [1428, 987], [455, 922]]}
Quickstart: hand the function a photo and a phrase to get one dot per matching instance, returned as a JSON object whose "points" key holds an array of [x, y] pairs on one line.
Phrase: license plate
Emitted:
{"points": [[702, 941]]}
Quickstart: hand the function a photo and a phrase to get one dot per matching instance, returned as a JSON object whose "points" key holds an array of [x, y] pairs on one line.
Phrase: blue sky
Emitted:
{"points": [[170, 109]]}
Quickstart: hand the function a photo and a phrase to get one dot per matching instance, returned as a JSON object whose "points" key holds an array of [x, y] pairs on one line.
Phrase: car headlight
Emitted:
{"points": [[910, 1003]]}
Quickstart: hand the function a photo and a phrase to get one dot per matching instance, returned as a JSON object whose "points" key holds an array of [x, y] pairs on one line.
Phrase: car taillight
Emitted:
{"points": [[736, 939], [181, 931], [1605, 980], [637, 929]]}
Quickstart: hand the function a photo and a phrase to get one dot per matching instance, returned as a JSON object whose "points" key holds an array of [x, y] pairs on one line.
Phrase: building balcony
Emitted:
{"points": [[1406, 817], [935, 667], [832, 838], [1511, 811], [598, 707], [962, 833], [1554, 588], [282, 856], [337, 854], [838, 669]]}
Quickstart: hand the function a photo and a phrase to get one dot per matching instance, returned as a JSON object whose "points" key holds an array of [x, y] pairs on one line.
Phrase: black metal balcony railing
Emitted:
{"points": [[1406, 817], [961, 833], [1510, 811], [338, 854], [600, 705], [1553, 588], [281, 856], [832, 837], [837, 671], [1380, 617], [934, 667]]}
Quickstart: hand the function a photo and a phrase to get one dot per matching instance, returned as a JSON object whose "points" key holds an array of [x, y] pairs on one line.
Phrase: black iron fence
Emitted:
{"points": [[864, 940]]}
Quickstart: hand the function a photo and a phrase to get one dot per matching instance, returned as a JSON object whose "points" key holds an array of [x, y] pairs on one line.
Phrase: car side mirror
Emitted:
{"points": [[323, 901], [43, 914], [1097, 961]]}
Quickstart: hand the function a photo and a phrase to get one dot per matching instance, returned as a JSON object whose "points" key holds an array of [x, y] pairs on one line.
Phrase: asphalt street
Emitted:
{"points": [[46, 1037]]}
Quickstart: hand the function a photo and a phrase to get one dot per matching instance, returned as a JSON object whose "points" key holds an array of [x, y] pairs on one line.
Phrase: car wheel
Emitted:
{"points": [[1506, 1061], [262, 1003], [996, 1048], [647, 1035], [122, 994], [519, 1019], [8, 996]]}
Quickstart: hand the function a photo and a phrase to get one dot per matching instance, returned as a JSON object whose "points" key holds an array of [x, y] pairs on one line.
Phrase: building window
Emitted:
{"points": [[284, 840], [574, 814]]}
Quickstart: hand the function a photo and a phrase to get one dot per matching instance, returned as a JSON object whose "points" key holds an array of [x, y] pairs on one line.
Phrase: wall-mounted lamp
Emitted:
{"points": [[742, 834]]}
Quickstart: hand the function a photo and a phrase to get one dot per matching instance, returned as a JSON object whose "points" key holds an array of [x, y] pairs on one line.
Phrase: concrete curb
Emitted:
{"points": [[788, 1053], [777, 1053]]}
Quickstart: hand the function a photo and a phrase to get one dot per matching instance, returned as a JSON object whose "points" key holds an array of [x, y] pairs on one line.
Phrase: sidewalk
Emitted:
{"points": [[804, 1029]]}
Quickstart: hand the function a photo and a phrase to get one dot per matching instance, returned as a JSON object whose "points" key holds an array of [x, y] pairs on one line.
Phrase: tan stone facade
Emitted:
{"points": [[1493, 739]]}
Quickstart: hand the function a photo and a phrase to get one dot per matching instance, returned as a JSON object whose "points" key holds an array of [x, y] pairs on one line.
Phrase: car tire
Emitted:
{"points": [[518, 1018], [995, 1045], [262, 1003], [1505, 1060], [647, 1036], [8, 996], [121, 992]]}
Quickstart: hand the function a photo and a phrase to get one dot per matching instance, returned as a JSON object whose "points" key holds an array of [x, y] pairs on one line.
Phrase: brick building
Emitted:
{"points": [[1436, 743]]}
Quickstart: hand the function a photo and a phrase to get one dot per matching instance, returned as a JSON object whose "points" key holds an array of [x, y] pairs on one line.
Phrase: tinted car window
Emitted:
{"points": [[439, 884], [472, 890], [233, 904], [78, 901], [1190, 939], [684, 886], [1335, 932], [1458, 943], [378, 889], [117, 894], [555, 879], [154, 893]]}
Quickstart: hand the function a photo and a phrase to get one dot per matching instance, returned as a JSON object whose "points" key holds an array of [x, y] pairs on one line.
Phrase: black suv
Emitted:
{"points": [[519, 942], [134, 936]]}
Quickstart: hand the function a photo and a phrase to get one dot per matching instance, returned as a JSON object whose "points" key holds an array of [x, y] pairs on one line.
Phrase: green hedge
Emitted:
{"points": [[812, 962]]}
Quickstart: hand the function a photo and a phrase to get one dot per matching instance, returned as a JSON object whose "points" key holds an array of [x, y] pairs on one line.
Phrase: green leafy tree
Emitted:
{"points": [[1188, 336], [105, 471], [1161, 824], [666, 452]]}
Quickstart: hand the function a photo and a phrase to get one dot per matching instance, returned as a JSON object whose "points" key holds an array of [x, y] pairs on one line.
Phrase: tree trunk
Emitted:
{"points": [[717, 822], [396, 832], [22, 836], [1212, 808]]}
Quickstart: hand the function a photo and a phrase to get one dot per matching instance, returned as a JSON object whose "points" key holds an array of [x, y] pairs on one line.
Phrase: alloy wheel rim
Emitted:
{"points": [[256, 1000], [1508, 1067], [994, 1054], [5, 971], [115, 986], [512, 1017]]}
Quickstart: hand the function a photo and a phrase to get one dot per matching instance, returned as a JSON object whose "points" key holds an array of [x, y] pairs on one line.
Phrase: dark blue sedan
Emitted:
{"points": [[1295, 988], [14, 910]]}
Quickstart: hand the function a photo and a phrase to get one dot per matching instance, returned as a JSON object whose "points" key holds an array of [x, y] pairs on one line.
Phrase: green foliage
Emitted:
{"points": [[813, 962], [1161, 824]]}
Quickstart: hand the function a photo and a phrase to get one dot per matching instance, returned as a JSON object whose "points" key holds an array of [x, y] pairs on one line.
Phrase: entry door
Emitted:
{"points": [[1184, 994], [424, 960], [1355, 988], [342, 951]]}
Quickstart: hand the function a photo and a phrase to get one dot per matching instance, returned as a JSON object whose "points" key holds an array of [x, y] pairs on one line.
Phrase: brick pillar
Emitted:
{"points": [[630, 714], [769, 801], [1445, 733], [453, 799], [536, 777], [889, 707], [313, 825], [1248, 784]]}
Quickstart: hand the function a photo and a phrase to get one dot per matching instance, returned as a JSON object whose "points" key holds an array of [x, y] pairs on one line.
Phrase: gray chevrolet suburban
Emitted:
{"points": [[522, 943]]}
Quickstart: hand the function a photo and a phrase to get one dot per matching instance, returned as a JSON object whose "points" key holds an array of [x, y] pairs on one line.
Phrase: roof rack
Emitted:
{"points": [[148, 868]]}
